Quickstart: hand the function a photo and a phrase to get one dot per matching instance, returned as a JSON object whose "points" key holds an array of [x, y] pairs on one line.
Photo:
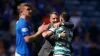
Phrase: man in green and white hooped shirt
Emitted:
{"points": [[62, 45]]}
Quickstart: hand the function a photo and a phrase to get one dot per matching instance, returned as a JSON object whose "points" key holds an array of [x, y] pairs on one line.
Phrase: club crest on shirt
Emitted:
{"points": [[24, 29]]}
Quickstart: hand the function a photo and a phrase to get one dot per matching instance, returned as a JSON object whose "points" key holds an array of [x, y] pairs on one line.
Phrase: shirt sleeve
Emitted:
{"points": [[24, 29], [69, 25]]}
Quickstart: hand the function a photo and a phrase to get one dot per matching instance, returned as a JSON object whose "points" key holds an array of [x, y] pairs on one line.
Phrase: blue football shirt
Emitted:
{"points": [[23, 28]]}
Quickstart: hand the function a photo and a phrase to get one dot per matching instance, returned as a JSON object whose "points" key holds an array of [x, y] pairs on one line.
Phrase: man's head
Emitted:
{"points": [[25, 9], [64, 17], [54, 17]]}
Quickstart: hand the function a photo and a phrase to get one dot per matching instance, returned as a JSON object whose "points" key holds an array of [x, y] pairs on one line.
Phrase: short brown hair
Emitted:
{"points": [[66, 16], [20, 7], [54, 13]]}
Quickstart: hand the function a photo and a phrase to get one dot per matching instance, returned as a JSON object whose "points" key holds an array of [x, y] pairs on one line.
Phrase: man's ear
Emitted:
{"points": [[21, 11]]}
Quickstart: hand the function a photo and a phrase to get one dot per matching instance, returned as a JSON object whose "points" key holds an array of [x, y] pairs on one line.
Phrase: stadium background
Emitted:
{"points": [[85, 14]]}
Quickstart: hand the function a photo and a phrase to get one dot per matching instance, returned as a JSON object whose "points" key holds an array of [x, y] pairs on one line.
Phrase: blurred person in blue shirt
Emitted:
{"points": [[24, 34]]}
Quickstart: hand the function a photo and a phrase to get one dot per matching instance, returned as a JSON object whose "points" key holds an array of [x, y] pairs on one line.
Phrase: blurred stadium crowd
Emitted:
{"points": [[85, 15]]}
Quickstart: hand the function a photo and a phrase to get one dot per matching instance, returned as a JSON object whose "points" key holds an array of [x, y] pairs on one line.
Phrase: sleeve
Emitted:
{"points": [[52, 36], [69, 25], [52, 39], [24, 29]]}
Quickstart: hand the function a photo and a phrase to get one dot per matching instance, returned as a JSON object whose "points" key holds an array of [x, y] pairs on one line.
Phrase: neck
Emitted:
{"points": [[23, 16]]}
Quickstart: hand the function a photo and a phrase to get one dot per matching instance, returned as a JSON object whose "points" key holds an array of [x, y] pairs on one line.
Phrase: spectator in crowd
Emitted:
{"points": [[75, 19], [2, 49], [93, 32]]}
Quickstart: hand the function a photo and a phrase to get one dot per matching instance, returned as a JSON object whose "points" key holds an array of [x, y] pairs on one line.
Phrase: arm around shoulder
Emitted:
{"points": [[46, 34], [68, 24]]}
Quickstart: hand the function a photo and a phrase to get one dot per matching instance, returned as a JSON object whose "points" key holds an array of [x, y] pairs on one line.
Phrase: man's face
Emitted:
{"points": [[53, 18], [27, 11], [61, 19]]}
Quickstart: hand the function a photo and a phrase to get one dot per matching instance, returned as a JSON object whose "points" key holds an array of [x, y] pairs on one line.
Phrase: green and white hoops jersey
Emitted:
{"points": [[61, 49], [61, 45]]}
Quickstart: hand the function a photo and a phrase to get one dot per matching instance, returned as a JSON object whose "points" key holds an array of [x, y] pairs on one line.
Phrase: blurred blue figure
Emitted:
{"points": [[77, 46]]}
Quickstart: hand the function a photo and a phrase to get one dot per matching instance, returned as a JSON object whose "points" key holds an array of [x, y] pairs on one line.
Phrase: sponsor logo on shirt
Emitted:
{"points": [[24, 29]]}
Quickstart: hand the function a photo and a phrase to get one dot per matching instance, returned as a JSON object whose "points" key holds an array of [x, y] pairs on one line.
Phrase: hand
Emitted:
{"points": [[64, 35], [43, 28], [56, 25]]}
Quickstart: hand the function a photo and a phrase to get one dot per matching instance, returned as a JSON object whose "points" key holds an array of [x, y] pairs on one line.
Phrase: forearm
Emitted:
{"points": [[68, 24], [52, 37], [47, 34], [32, 37]]}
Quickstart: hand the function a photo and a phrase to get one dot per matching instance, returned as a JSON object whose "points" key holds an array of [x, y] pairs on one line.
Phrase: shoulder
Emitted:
{"points": [[69, 24], [21, 22]]}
